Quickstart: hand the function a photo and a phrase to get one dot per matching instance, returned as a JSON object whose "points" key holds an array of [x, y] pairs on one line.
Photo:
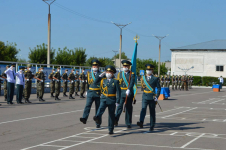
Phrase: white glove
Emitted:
{"points": [[102, 74], [65, 80], [116, 104], [155, 99], [41, 80], [53, 79], [82, 80], [57, 80], [72, 81], [27, 79], [127, 92], [86, 93]]}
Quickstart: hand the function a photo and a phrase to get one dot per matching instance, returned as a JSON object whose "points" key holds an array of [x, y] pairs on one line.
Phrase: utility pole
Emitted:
{"points": [[121, 26], [49, 2], [115, 56], [160, 39]]}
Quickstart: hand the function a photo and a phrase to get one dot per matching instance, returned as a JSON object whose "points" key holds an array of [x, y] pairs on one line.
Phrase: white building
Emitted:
{"points": [[208, 59]]}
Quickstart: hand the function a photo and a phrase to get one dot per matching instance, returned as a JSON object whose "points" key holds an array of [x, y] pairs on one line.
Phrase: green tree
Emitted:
{"points": [[22, 60], [63, 57], [8, 52], [39, 54], [88, 61], [78, 56], [123, 56], [103, 60]]}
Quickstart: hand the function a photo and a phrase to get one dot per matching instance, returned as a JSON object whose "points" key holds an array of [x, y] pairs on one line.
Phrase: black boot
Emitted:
{"points": [[83, 120], [76, 94], [71, 97], [28, 100], [5, 98], [140, 124], [81, 96], [56, 98], [116, 122], [52, 95], [65, 95]]}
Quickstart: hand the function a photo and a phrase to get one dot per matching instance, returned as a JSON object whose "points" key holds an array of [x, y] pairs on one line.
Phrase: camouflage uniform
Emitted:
{"points": [[57, 84], [52, 84], [83, 84], [173, 82], [77, 84], [71, 77], [176, 82], [28, 85], [41, 85], [5, 85], [64, 78]]}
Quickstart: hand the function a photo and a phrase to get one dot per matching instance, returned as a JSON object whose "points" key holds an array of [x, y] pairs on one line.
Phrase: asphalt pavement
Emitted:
{"points": [[194, 119]]}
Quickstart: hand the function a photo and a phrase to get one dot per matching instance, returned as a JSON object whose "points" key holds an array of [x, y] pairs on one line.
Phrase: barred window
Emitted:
{"points": [[219, 68]]}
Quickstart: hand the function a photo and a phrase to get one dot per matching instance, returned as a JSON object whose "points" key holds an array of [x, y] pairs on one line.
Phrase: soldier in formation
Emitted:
{"points": [[173, 82], [168, 81], [64, 78], [82, 78], [40, 76], [176, 82], [162, 81], [28, 83], [52, 83], [57, 78], [4, 76], [71, 78], [77, 83], [165, 81]]}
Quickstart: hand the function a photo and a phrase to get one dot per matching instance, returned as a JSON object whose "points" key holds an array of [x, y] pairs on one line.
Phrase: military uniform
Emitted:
{"points": [[173, 82], [64, 78], [77, 84], [52, 84], [41, 84], [83, 84], [71, 78], [57, 84], [37, 84], [176, 82], [5, 85], [162, 81], [179, 82], [191, 80], [168, 81], [149, 98], [124, 87], [111, 93], [165, 81], [28, 85]]}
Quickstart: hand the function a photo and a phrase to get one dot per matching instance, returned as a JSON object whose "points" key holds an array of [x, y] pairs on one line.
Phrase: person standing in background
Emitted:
{"points": [[64, 78], [4, 76], [52, 83], [82, 78], [20, 83], [28, 83], [77, 83], [221, 79]]}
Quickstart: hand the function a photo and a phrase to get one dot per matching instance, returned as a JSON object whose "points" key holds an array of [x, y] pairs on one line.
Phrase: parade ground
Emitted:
{"points": [[191, 120]]}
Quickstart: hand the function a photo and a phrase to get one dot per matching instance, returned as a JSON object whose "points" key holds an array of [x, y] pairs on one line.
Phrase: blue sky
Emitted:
{"points": [[186, 21]]}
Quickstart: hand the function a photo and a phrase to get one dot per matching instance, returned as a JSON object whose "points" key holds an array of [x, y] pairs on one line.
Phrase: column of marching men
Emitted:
{"points": [[23, 83]]}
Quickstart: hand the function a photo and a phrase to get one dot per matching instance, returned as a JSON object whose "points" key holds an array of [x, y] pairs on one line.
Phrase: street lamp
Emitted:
{"points": [[121, 26], [160, 39], [49, 2]]}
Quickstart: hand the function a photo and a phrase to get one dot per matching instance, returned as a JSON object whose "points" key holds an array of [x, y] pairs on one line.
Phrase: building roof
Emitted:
{"points": [[210, 45]]}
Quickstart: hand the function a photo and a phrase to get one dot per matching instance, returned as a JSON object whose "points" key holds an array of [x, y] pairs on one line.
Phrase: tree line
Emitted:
{"points": [[66, 56]]}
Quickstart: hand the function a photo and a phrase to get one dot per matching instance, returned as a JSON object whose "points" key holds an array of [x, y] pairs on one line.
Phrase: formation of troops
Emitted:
{"points": [[183, 82], [105, 89]]}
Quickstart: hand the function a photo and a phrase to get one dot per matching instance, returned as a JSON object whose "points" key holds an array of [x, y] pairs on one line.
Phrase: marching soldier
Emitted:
{"points": [[176, 82], [173, 82], [82, 78], [52, 83], [191, 80], [77, 83], [57, 77], [71, 78], [64, 78], [179, 82], [28, 83], [182, 82], [186, 82], [165, 81], [93, 92], [37, 84], [5, 82], [149, 97], [41, 83], [162, 81], [126, 81], [11, 76], [168, 81], [111, 93]]}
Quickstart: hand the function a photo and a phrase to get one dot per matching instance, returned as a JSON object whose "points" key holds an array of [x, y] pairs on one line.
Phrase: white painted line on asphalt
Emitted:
{"points": [[191, 94], [173, 133], [41, 116], [192, 140], [217, 101], [53, 145], [179, 113]]}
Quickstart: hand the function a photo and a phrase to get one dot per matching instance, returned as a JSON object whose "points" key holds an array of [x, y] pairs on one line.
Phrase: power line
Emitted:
{"points": [[79, 14]]}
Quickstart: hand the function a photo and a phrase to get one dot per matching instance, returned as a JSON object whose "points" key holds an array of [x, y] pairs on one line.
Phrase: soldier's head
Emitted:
{"points": [[12, 66], [58, 69], [7, 66], [77, 71], [66, 70], [83, 70], [110, 71], [53, 70], [29, 67], [21, 69], [41, 69], [149, 69], [126, 65], [95, 65], [72, 70]]}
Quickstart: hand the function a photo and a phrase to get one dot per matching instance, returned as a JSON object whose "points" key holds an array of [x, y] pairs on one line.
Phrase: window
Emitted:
{"points": [[219, 68]]}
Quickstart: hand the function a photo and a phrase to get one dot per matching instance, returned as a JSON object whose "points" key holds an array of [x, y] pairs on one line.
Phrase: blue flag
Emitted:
{"points": [[133, 67]]}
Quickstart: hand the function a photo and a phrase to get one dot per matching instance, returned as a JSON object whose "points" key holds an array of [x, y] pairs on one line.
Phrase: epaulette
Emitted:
{"points": [[25, 71], [132, 72], [116, 79]]}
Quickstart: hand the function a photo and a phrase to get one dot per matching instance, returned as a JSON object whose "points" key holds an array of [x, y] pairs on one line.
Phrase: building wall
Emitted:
{"points": [[204, 62]]}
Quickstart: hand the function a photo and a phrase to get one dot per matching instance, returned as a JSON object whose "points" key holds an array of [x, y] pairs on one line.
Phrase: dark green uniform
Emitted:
{"points": [[5, 85], [64, 76], [129, 104], [72, 83], [162, 81], [148, 100], [57, 84], [179, 82], [77, 84], [83, 84], [52, 83], [110, 95], [28, 84], [168, 81], [41, 84], [173, 82], [37, 88], [93, 95]]}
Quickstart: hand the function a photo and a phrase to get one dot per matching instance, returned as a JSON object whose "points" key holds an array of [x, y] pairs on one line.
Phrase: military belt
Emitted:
{"points": [[94, 89], [147, 91], [109, 95], [123, 88]]}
